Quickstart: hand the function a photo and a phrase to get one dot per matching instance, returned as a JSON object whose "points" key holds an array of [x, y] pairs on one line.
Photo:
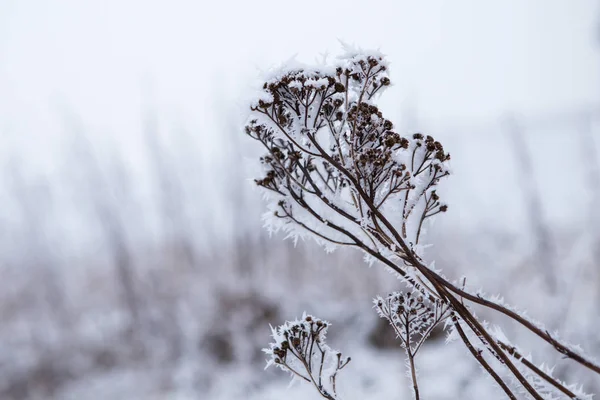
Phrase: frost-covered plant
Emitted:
{"points": [[413, 317], [299, 348], [337, 171]]}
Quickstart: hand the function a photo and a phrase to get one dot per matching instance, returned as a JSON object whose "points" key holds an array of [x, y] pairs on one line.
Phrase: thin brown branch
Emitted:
{"points": [[477, 354]]}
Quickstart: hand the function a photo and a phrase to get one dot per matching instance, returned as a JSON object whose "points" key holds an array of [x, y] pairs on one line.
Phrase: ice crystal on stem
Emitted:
{"points": [[334, 162], [336, 171], [412, 316], [299, 347]]}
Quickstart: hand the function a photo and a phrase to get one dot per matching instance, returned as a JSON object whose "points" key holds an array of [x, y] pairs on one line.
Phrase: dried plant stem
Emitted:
{"points": [[443, 287], [414, 261], [299, 348], [339, 172], [478, 356], [513, 352], [413, 373]]}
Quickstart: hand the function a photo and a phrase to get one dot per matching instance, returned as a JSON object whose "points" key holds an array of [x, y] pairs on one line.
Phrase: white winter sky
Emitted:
{"points": [[457, 59], [454, 60]]}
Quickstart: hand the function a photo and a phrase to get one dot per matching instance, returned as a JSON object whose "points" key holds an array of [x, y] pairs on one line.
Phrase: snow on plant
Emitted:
{"points": [[413, 317], [336, 171], [299, 348]]}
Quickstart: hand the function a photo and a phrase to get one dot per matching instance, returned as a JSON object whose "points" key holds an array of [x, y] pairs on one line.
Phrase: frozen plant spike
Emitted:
{"points": [[299, 348], [332, 152], [336, 171], [413, 316]]}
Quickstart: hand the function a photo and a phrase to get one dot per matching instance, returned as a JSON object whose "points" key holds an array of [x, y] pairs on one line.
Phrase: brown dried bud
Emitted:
{"points": [[440, 155], [263, 104]]}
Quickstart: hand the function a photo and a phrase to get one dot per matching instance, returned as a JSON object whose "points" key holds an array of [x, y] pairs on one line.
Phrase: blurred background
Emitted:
{"points": [[133, 263]]}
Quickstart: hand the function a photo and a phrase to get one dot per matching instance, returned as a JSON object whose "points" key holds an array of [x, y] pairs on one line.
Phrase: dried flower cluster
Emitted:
{"points": [[336, 171], [330, 148], [412, 316], [299, 348]]}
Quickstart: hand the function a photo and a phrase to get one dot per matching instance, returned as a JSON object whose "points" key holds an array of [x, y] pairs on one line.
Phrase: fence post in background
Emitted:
{"points": [[545, 255]]}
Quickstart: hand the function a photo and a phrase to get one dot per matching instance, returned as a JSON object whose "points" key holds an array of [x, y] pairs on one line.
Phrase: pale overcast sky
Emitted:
{"points": [[458, 59], [454, 61]]}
